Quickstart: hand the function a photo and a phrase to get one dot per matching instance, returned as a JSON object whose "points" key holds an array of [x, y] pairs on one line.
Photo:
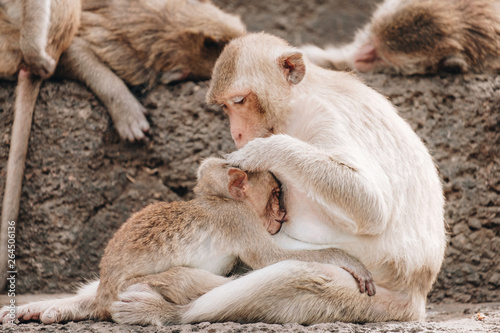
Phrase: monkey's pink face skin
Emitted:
{"points": [[246, 118], [275, 215], [368, 58]]}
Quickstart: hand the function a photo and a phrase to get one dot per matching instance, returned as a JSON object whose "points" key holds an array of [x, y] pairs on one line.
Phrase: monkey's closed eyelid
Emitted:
{"points": [[239, 99]]}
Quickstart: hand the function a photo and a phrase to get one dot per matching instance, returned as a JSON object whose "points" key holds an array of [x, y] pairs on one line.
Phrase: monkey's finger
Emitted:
{"points": [[145, 126], [361, 284], [370, 288], [138, 133], [51, 316]]}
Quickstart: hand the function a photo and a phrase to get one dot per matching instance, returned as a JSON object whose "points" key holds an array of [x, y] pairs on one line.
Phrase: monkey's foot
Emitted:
{"points": [[130, 122], [40, 64], [22, 313], [331, 58], [49, 311], [140, 304]]}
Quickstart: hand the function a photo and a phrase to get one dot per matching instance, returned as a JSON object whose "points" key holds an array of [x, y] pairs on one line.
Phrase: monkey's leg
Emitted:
{"points": [[78, 307], [80, 63], [159, 299], [181, 285], [294, 291], [331, 57], [26, 94]]}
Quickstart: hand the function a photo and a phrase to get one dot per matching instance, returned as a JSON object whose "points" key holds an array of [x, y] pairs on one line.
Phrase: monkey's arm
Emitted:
{"points": [[260, 251], [79, 62], [323, 177]]}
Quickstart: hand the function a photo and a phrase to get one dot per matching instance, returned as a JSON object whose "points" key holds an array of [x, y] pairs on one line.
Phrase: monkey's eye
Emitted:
{"points": [[239, 100]]}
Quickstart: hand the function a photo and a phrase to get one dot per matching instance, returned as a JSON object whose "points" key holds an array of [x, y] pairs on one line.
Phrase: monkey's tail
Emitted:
{"points": [[27, 91]]}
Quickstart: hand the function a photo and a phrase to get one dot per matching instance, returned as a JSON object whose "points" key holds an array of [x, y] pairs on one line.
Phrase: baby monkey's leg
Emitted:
{"points": [[161, 298]]}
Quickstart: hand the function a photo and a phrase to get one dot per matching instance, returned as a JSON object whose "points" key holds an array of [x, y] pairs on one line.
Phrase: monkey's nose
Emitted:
{"points": [[238, 141]]}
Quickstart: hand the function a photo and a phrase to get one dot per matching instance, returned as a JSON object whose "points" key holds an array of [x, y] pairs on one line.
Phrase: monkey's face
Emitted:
{"points": [[200, 51], [265, 195], [247, 118], [204, 30]]}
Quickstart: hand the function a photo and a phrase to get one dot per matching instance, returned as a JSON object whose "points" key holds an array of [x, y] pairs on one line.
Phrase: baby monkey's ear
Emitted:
{"points": [[238, 183]]}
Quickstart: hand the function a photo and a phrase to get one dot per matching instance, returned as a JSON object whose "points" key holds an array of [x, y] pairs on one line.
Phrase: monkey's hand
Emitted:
{"points": [[352, 265], [259, 154], [362, 276], [132, 125]]}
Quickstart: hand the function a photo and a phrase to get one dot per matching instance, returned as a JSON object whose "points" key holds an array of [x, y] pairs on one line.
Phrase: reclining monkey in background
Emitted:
{"points": [[421, 36], [140, 43]]}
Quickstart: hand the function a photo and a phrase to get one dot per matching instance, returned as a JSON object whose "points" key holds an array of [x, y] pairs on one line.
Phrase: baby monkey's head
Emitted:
{"points": [[261, 190]]}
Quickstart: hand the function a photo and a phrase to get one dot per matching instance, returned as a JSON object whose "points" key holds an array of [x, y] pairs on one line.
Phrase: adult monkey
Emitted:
{"points": [[356, 177]]}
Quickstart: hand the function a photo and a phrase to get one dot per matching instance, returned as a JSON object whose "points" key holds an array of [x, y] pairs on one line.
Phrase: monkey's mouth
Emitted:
{"points": [[281, 200]]}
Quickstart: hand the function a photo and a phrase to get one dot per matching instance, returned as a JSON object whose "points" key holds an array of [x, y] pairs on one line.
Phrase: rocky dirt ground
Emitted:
{"points": [[453, 318], [82, 182]]}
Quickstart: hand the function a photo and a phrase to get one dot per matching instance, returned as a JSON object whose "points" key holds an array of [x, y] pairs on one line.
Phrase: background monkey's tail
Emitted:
{"points": [[27, 91]]}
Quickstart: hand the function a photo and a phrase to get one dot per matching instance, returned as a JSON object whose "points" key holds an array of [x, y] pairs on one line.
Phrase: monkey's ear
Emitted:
{"points": [[293, 66], [238, 183]]}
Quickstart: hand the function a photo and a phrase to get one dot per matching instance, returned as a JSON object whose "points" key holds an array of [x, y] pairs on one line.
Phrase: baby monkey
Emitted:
{"points": [[175, 252]]}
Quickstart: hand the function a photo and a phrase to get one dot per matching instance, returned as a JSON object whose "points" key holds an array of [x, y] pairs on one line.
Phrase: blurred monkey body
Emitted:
{"points": [[140, 43], [169, 254], [33, 35], [418, 37]]}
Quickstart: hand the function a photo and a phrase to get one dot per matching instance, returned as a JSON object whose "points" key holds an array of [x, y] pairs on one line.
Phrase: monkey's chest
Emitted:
{"points": [[308, 225]]}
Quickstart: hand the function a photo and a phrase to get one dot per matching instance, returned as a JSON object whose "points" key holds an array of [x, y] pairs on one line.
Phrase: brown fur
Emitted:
{"points": [[25, 50], [169, 254], [140, 43], [440, 33], [213, 227], [64, 22], [421, 36], [222, 85]]}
